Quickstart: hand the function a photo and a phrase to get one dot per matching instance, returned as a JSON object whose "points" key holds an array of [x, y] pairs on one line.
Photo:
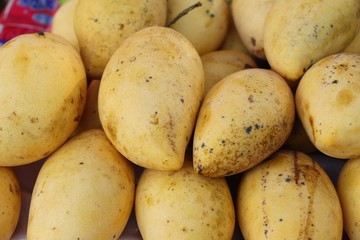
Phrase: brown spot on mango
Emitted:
{"points": [[311, 121], [345, 97], [253, 41], [111, 130]]}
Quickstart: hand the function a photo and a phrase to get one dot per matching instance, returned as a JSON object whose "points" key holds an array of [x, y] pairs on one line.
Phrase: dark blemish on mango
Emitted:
{"points": [[182, 100], [41, 33], [10, 188], [311, 121], [315, 34], [212, 15], [335, 82], [112, 130], [81, 163], [34, 120], [171, 135], [96, 20], [203, 145], [154, 118], [248, 129], [263, 182], [296, 167], [287, 179], [253, 41], [148, 79], [41, 192], [311, 63], [251, 99]]}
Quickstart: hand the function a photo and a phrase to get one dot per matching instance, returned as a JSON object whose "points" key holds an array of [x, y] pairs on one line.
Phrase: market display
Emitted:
{"points": [[207, 119]]}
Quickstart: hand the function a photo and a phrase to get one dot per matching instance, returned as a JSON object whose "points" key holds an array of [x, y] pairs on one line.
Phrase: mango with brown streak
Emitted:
{"points": [[288, 196]]}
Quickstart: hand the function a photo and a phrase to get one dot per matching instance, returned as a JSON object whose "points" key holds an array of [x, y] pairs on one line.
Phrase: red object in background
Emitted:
{"points": [[26, 16]]}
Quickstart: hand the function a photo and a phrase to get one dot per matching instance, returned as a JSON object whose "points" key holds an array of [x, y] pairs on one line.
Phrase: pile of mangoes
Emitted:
{"points": [[191, 93]]}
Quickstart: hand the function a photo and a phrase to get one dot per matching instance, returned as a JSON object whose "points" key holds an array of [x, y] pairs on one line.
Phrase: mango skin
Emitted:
{"points": [[221, 63], [354, 46], [63, 22], [101, 26], [42, 96], [84, 190], [149, 97], [10, 202], [348, 188], [327, 102], [183, 205], [299, 33], [288, 196], [205, 26], [243, 119], [249, 19]]}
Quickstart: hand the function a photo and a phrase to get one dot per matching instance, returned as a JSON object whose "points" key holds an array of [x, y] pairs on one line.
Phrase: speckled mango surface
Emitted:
{"points": [[243, 119], [288, 196], [182, 204], [327, 102]]}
